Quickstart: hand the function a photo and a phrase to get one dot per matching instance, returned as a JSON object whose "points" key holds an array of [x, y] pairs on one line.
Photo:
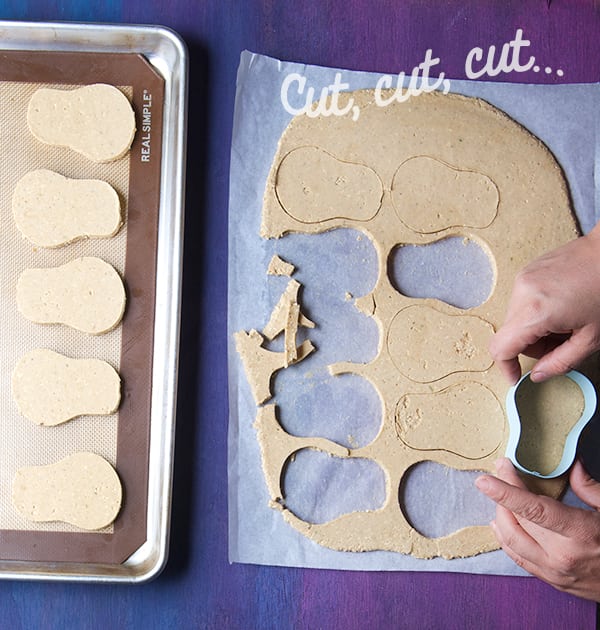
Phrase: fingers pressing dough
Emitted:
{"points": [[94, 120], [82, 489], [86, 294], [50, 388]]}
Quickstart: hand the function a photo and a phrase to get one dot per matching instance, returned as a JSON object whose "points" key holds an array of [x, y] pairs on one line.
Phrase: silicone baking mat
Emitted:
{"points": [[123, 438]]}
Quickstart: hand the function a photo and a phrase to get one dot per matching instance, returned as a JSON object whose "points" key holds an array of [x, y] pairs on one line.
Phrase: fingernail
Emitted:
{"points": [[482, 483], [538, 376]]}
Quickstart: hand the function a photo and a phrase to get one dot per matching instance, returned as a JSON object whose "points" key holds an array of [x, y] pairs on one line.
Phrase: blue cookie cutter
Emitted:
{"points": [[568, 456]]}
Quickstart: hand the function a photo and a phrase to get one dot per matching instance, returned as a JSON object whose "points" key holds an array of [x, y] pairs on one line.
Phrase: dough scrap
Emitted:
{"points": [[287, 317], [280, 267], [94, 120], [82, 489], [518, 207], [50, 388], [86, 294], [261, 364], [51, 210]]}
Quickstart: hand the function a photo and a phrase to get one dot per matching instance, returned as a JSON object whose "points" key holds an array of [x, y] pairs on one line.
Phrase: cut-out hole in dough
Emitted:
{"points": [[457, 501], [547, 412], [455, 270], [430, 196], [466, 419], [345, 409], [427, 345], [319, 487], [314, 186], [334, 268]]}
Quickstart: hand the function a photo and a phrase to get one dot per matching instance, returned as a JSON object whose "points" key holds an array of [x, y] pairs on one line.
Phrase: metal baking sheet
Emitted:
{"points": [[150, 62]]}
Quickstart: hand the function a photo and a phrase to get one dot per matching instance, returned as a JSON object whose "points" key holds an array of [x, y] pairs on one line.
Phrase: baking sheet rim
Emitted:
{"points": [[149, 560]]}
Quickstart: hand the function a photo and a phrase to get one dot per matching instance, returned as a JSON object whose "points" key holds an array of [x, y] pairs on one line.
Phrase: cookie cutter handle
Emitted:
{"points": [[568, 455]]}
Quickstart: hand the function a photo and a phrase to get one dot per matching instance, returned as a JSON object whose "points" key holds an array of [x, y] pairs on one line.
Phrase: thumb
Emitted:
{"points": [[585, 486], [565, 356]]}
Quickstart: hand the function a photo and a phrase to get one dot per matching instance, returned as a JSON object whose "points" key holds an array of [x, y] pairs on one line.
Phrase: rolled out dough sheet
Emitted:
{"points": [[544, 110]]}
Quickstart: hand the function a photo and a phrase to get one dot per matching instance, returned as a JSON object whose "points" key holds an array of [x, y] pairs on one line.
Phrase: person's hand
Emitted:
{"points": [[555, 542], [553, 314]]}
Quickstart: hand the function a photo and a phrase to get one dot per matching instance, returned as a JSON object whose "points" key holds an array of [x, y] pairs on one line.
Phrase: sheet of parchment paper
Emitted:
{"points": [[335, 268]]}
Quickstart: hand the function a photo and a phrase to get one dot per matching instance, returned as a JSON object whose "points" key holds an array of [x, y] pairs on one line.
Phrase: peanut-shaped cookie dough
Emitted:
{"points": [[82, 489], [50, 388], [86, 294], [94, 120], [51, 210]]}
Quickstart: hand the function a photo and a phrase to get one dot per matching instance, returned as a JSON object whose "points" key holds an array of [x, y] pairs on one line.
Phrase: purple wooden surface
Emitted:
{"points": [[199, 589]]}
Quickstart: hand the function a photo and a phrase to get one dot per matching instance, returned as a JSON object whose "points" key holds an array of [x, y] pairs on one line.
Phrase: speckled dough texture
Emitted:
{"points": [[50, 388], [51, 210], [415, 173], [547, 413], [86, 294], [94, 120], [82, 489]]}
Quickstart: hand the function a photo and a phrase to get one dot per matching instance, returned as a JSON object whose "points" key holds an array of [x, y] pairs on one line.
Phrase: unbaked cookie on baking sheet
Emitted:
{"points": [[82, 489], [86, 294], [50, 388], [51, 210], [94, 120]]}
